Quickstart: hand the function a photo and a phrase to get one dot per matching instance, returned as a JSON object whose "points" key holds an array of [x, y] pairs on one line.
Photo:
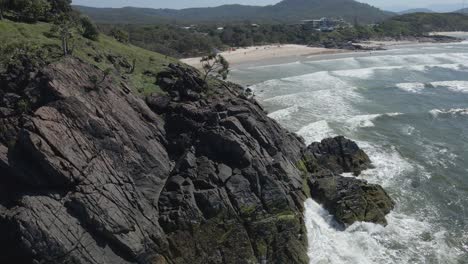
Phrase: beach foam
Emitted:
{"points": [[455, 86], [316, 131], [449, 112], [404, 240], [284, 113], [411, 87], [360, 121]]}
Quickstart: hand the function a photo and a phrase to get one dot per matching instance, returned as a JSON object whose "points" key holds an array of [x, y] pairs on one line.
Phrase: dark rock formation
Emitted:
{"points": [[92, 174], [335, 156], [347, 198], [351, 200]]}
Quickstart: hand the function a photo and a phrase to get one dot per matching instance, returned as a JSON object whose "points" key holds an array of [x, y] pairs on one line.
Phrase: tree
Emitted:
{"points": [[120, 35], [65, 26], [2, 7], [36, 9], [90, 30], [60, 6], [215, 64]]}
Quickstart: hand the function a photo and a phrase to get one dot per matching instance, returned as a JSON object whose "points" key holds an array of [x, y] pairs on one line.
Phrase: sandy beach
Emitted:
{"points": [[451, 33], [257, 53]]}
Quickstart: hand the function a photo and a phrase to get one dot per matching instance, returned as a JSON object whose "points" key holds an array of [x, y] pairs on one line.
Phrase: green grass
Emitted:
{"points": [[87, 50]]}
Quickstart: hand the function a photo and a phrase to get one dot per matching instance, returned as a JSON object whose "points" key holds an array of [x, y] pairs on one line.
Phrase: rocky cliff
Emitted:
{"points": [[90, 173]]}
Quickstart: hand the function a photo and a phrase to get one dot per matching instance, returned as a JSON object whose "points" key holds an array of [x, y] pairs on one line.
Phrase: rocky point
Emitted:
{"points": [[91, 173]]}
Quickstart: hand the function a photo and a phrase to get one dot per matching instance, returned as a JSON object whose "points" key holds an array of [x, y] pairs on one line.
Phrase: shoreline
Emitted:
{"points": [[258, 54], [267, 52]]}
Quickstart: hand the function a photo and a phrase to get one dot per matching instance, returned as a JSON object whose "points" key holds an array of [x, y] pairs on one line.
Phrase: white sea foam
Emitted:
{"points": [[320, 94], [408, 130], [417, 61], [299, 84], [316, 131], [368, 73], [388, 164], [318, 80], [448, 112], [455, 86], [365, 120], [438, 155], [365, 73], [411, 87], [404, 240], [284, 113], [416, 87]]}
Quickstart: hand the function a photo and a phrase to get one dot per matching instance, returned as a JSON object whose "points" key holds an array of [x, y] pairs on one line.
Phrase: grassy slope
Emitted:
{"points": [[86, 50]]}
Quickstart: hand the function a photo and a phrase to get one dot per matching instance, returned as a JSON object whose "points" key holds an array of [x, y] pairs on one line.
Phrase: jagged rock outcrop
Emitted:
{"points": [[91, 173], [347, 198]]}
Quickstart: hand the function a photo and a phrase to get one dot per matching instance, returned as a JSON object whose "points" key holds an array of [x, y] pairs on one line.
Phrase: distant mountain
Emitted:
{"points": [[462, 11], [287, 11], [445, 8], [416, 10]]}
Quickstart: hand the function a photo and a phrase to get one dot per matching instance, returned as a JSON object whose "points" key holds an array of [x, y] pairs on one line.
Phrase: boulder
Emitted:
{"points": [[337, 155], [347, 198], [351, 200]]}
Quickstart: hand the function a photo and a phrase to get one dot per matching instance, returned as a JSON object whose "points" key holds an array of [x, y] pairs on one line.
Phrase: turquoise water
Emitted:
{"points": [[408, 108]]}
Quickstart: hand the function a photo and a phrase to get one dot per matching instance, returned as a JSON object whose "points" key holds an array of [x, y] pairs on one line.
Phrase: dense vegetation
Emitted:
{"points": [[180, 42], [426, 22], [287, 11], [202, 39], [33, 10]]}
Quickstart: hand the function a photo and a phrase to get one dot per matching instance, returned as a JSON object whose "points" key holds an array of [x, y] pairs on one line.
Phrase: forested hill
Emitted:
{"points": [[287, 11], [416, 10], [426, 22]]}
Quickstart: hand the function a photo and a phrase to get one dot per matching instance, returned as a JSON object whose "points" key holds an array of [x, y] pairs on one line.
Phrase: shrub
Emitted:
{"points": [[215, 64], [23, 54], [90, 30], [120, 35], [23, 106]]}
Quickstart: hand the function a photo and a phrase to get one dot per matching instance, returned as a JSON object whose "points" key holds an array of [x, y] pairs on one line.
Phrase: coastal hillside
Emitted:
{"points": [[104, 53], [201, 39], [287, 11]]}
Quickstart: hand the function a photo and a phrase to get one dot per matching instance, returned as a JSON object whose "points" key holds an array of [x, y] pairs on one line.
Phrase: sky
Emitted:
{"points": [[392, 5]]}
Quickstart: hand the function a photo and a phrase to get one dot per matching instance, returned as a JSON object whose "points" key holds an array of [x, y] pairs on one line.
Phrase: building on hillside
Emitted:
{"points": [[324, 24]]}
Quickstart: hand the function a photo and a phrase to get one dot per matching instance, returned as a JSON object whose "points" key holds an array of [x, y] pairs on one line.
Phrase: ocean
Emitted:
{"points": [[407, 107]]}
